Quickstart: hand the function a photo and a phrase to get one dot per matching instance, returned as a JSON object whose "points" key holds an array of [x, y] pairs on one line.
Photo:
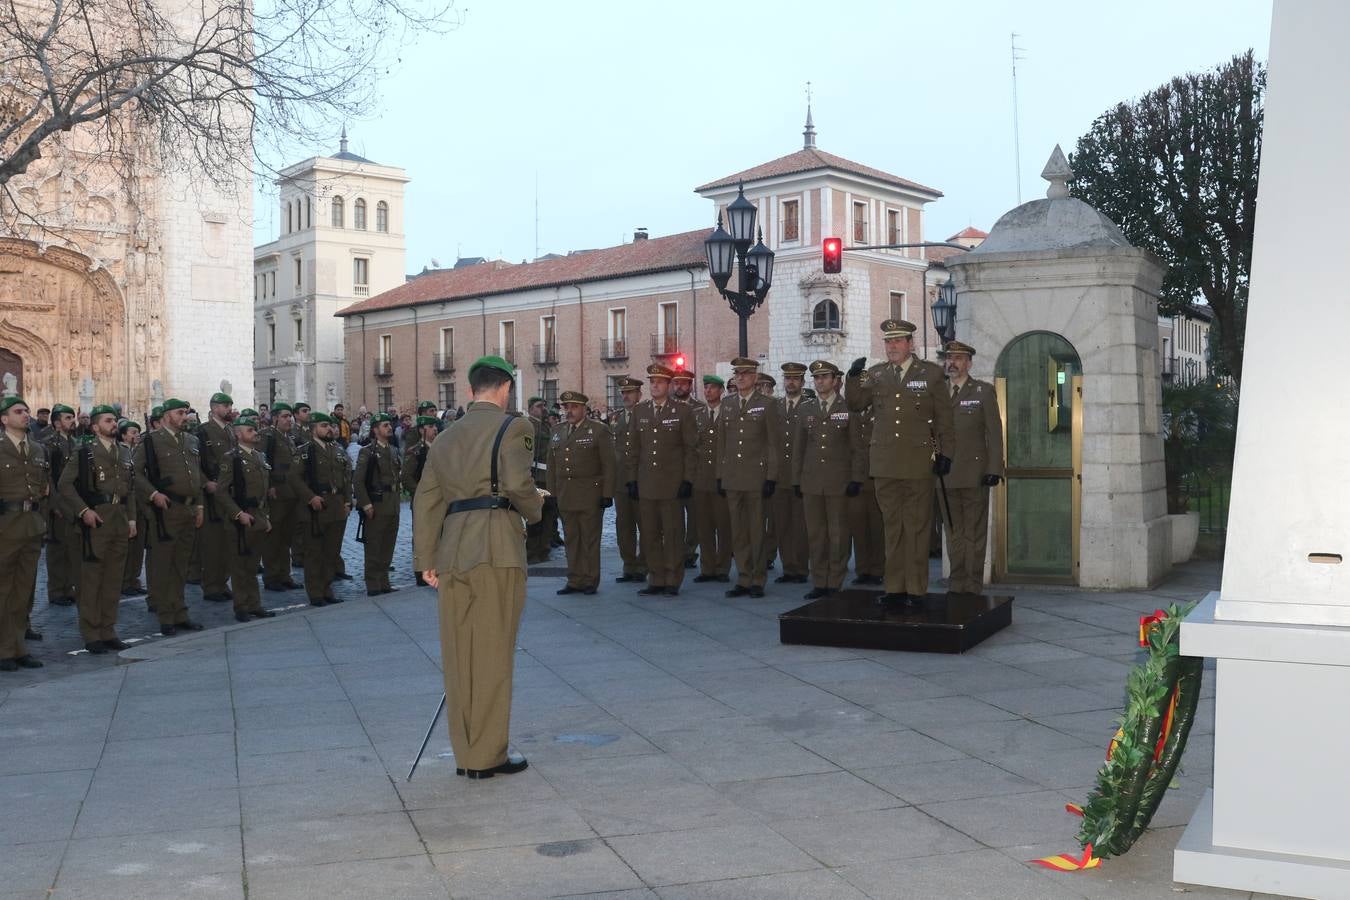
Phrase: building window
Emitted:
{"points": [[614, 396], [548, 339], [271, 337], [381, 216], [289, 229], [384, 398], [359, 215], [893, 231], [272, 283], [361, 276], [616, 345], [299, 330], [548, 389], [825, 317], [445, 395], [447, 344], [899, 305], [791, 220], [299, 274], [337, 212], [859, 222], [506, 341], [667, 340], [309, 212]]}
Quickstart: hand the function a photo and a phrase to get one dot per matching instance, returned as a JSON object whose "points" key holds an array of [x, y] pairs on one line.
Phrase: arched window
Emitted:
{"points": [[337, 212], [381, 216], [309, 213], [359, 214], [289, 226], [825, 317]]}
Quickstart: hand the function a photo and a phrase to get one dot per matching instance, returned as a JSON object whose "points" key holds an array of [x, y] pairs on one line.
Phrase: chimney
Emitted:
{"points": [[640, 234]]}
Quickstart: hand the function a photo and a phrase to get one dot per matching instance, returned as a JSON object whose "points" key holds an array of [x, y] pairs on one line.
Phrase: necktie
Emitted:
{"points": [[955, 390]]}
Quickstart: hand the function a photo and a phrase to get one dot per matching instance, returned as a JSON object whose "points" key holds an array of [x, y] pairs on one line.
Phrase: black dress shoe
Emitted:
{"points": [[784, 579], [342, 576], [274, 587], [374, 592], [589, 591], [189, 625], [194, 581], [8, 665], [241, 617], [624, 579], [115, 644], [739, 590], [757, 592], [672, 592], [134, 591], [318, 601], [568, 589], [388, 590], [62, 601], [168, 630], [703, 579], [651, 590], [291, 585], [817, 593], [263, 614], [27, 662], [332, 600], [215, 598], [96, 648], [31, 635], [724, 579], [510, 767]]}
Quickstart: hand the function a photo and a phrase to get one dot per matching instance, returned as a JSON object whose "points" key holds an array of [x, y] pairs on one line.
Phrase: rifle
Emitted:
{"points": [[84, 486], [372, 469], [210, 473], [152, 474], [58, 460], [312, 479]]}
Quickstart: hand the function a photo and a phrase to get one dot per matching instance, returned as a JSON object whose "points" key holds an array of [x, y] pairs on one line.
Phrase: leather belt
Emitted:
{"points": [[19, 506], [460, 506], [102, 499], [177, 498]]}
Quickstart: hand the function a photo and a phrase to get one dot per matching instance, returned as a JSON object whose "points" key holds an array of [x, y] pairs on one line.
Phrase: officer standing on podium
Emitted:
{"points": [[977, 466]]}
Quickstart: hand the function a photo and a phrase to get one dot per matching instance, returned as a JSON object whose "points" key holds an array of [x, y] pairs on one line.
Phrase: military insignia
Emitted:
{"points": [[529, 442]]}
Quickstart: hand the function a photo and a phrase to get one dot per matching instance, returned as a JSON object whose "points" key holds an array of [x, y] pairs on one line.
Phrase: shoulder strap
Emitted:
{"points": [[496, 448]]}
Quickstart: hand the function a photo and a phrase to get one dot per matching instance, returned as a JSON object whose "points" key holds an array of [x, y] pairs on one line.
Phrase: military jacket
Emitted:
{"points": [[829, 450], [787, 433], [110, 481], [623, 430], [215, 440], [60, 449], [302, 433], [912, 417], [581, 465], [248, 494], [748, 443], [180, 468], [705, 462], [979, 435], [414, 461], [661, 449], [383, 479], [541, 441], [280, 450], [25, 483], [329, 476]]}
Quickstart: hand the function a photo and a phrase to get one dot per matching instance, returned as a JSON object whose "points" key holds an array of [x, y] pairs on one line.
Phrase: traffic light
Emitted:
{"points": [[834, 255], [679, 361]]}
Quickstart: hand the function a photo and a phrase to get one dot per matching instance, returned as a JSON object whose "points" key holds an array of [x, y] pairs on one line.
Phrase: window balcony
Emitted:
{"points": [[614, 349], [443, 363], [384, 368], [506, 353], [361, 290], [665, 343], [546, 354]]}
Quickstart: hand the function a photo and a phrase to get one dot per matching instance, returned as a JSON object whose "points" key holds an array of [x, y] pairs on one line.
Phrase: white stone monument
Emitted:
{"points": [[1279, 627], [11, 382], [86, 394]]}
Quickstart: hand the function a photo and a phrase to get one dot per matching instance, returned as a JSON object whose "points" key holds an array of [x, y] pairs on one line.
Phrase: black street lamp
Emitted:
{"points": [[944, 311], [756, 264]]}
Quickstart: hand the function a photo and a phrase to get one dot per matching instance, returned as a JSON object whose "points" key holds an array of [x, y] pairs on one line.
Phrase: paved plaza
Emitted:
{"points": [[677, 750]]}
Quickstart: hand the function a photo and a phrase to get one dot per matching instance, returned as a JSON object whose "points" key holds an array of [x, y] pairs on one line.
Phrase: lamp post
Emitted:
{"points": [[756, 263], [944, 311]]}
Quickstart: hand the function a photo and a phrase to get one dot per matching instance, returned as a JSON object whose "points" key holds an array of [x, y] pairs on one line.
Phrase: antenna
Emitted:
{"points": [[1017, 139]]}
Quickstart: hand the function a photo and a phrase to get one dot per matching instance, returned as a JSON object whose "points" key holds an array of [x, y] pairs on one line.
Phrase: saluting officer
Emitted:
{"points": [[581, 476], [682, 389], [660, 469], [169, 484], [625, 507], [912, 441], [469, 542], [786, 507], [378, 484], [864, 517], [828, 466], [97, 484], [216, 438], [25, 482], [322, 481], [277, 442], [245, 480], [710, 505], [747, 471], [977, 465], [414, 463], [63, 535]]}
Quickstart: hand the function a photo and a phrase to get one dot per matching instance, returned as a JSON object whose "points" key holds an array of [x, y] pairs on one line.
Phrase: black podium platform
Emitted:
{"points": [[944, 623]]}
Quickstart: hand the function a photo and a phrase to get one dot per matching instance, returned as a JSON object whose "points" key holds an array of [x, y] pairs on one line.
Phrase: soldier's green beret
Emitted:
{"points": [[101, 409], [381, 417], [221, 397], [248, 412], [126, 425], [157, 412], [533, 400], [281, 407], [58, 408], [174, 403], [7, 402], [424, 421], [300, 406], [425, 404], [245, 422], [714, 379], [493, 362], [319, 418]]}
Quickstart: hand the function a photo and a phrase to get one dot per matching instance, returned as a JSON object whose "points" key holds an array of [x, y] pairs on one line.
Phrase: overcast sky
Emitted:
{"points": [[620, 108]]}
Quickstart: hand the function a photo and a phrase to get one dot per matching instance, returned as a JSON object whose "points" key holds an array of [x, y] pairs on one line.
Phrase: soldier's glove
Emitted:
{"points": [[686, 490], [606, 502], [797, 490], [768, 490], [991, 480], [857, 368], [721, 492], [941, 465], [853, 489], [632, 490]]}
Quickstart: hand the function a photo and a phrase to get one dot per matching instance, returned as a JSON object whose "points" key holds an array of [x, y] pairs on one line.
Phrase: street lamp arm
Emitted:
{"points": [[947, 244]]}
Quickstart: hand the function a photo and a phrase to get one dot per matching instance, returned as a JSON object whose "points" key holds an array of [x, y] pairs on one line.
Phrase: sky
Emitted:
{"points": [[617, 110]]}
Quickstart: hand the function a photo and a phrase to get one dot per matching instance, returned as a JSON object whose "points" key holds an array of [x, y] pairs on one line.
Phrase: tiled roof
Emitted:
{"points": [[810, 160], [970, 231], [658, 254]]}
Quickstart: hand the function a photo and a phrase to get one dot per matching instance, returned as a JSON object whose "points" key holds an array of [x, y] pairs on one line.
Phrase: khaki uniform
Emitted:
{"points": [[283, 508], [322, 471], [692, 541], [300, 436], [180, 481], [864, 517], [626, 508], [912, 422], [978, 452], [64, 553], [661, 457], [479, 558], [786, 509], [245, 477], [25, 480], [827, 456], [710, 507], [378, 484], [539, 540], [217, 534], [581, 475], [107, 489], [748, 456]]}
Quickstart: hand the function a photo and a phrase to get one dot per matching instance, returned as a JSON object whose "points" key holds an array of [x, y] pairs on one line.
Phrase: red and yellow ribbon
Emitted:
{"points": [[1063, 862]]}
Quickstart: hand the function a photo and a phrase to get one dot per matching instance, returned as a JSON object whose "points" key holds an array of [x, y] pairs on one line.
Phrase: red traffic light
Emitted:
{"points": [[834, 255], [679, 361]]}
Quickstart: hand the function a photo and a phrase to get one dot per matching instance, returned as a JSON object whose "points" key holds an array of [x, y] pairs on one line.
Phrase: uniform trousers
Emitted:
{"points": [[101, 577], [168, 564], [789, 525], [276, 551], [662, 528], [63, 558], [907, 520], [195, 559], [214, 543], [745, 509], [626, 530], [244, 553], [864, 525], [298, 539], [691, 536], [967, 536], [131, 569], [323, 549], [539, 536], [479, 616], [581, 533], [19, 562], [381, 533], [714, 532], [828, 537]]}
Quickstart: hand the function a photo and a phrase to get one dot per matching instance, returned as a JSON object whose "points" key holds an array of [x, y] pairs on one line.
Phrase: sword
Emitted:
{"points": [[423, 749]]}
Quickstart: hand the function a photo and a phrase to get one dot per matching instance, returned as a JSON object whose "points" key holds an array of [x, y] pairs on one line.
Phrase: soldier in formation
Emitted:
{"points": [[977, 466], [540, 540], [414, 464], [63, 533], [215, 439], [378, 483], [25, 488], [682, 389], [658, 475], [748, 457], [625, 507], [712, 518], [278, 444], [581, 477], [244, 502], [786, 509], [322, 482]]}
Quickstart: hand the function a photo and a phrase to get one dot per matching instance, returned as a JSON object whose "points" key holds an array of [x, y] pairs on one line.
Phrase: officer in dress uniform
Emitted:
{"points": [[659, 476], [169, 484], [414, 463], [378, 483], [977, 465], [63, 534], [864, 517], [129, 435], [625, 507], [540, 539], [97, 485], [245, 482], [710, 505], [912, 441], [469, 542], [786, 507], [581, 476], [747, 471], [300, 435], [682, 389], [322, 481], [277, 443], [25, 484], [828, 466], [216, 438]]}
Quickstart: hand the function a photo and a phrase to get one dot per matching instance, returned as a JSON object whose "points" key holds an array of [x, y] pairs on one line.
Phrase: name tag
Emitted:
{"points": [[965, 403], [917, 385], [755, 411], [669, 422], [839, 417]]}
